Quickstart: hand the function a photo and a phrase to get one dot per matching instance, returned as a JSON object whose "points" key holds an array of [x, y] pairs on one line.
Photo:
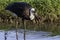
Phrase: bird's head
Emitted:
{"points": [[32, 13]]}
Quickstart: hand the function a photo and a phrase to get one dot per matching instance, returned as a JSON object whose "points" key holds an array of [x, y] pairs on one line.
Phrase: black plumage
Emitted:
{"points": [[21, 9]]}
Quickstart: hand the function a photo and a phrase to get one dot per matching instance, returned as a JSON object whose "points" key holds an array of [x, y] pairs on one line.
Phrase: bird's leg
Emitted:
{"points": [[5, 35], [24, 25], [16, 29]]}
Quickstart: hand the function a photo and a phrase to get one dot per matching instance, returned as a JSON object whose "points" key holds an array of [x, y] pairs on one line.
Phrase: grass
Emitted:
{"points": [[54, 28]]}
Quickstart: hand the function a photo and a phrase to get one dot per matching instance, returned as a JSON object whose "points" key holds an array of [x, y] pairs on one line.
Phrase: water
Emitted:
{"points": [[30, 35]]}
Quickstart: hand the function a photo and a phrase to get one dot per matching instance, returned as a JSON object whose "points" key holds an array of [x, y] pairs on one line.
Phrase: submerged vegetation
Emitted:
{"points": [[48, 10]]}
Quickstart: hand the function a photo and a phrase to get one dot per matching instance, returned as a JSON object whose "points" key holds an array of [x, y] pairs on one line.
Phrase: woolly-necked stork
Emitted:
{"points": [[23, 10]]}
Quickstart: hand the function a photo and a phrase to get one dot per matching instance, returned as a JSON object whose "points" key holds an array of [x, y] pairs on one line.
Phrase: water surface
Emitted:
{"points": [[30, 35]]}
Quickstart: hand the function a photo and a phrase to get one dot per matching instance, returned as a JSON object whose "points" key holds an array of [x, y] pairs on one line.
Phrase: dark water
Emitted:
{"points": [[30, 35]]}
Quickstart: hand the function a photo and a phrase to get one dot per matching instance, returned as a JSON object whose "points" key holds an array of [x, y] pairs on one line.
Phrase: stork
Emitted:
{"points": [[23, 10]]}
